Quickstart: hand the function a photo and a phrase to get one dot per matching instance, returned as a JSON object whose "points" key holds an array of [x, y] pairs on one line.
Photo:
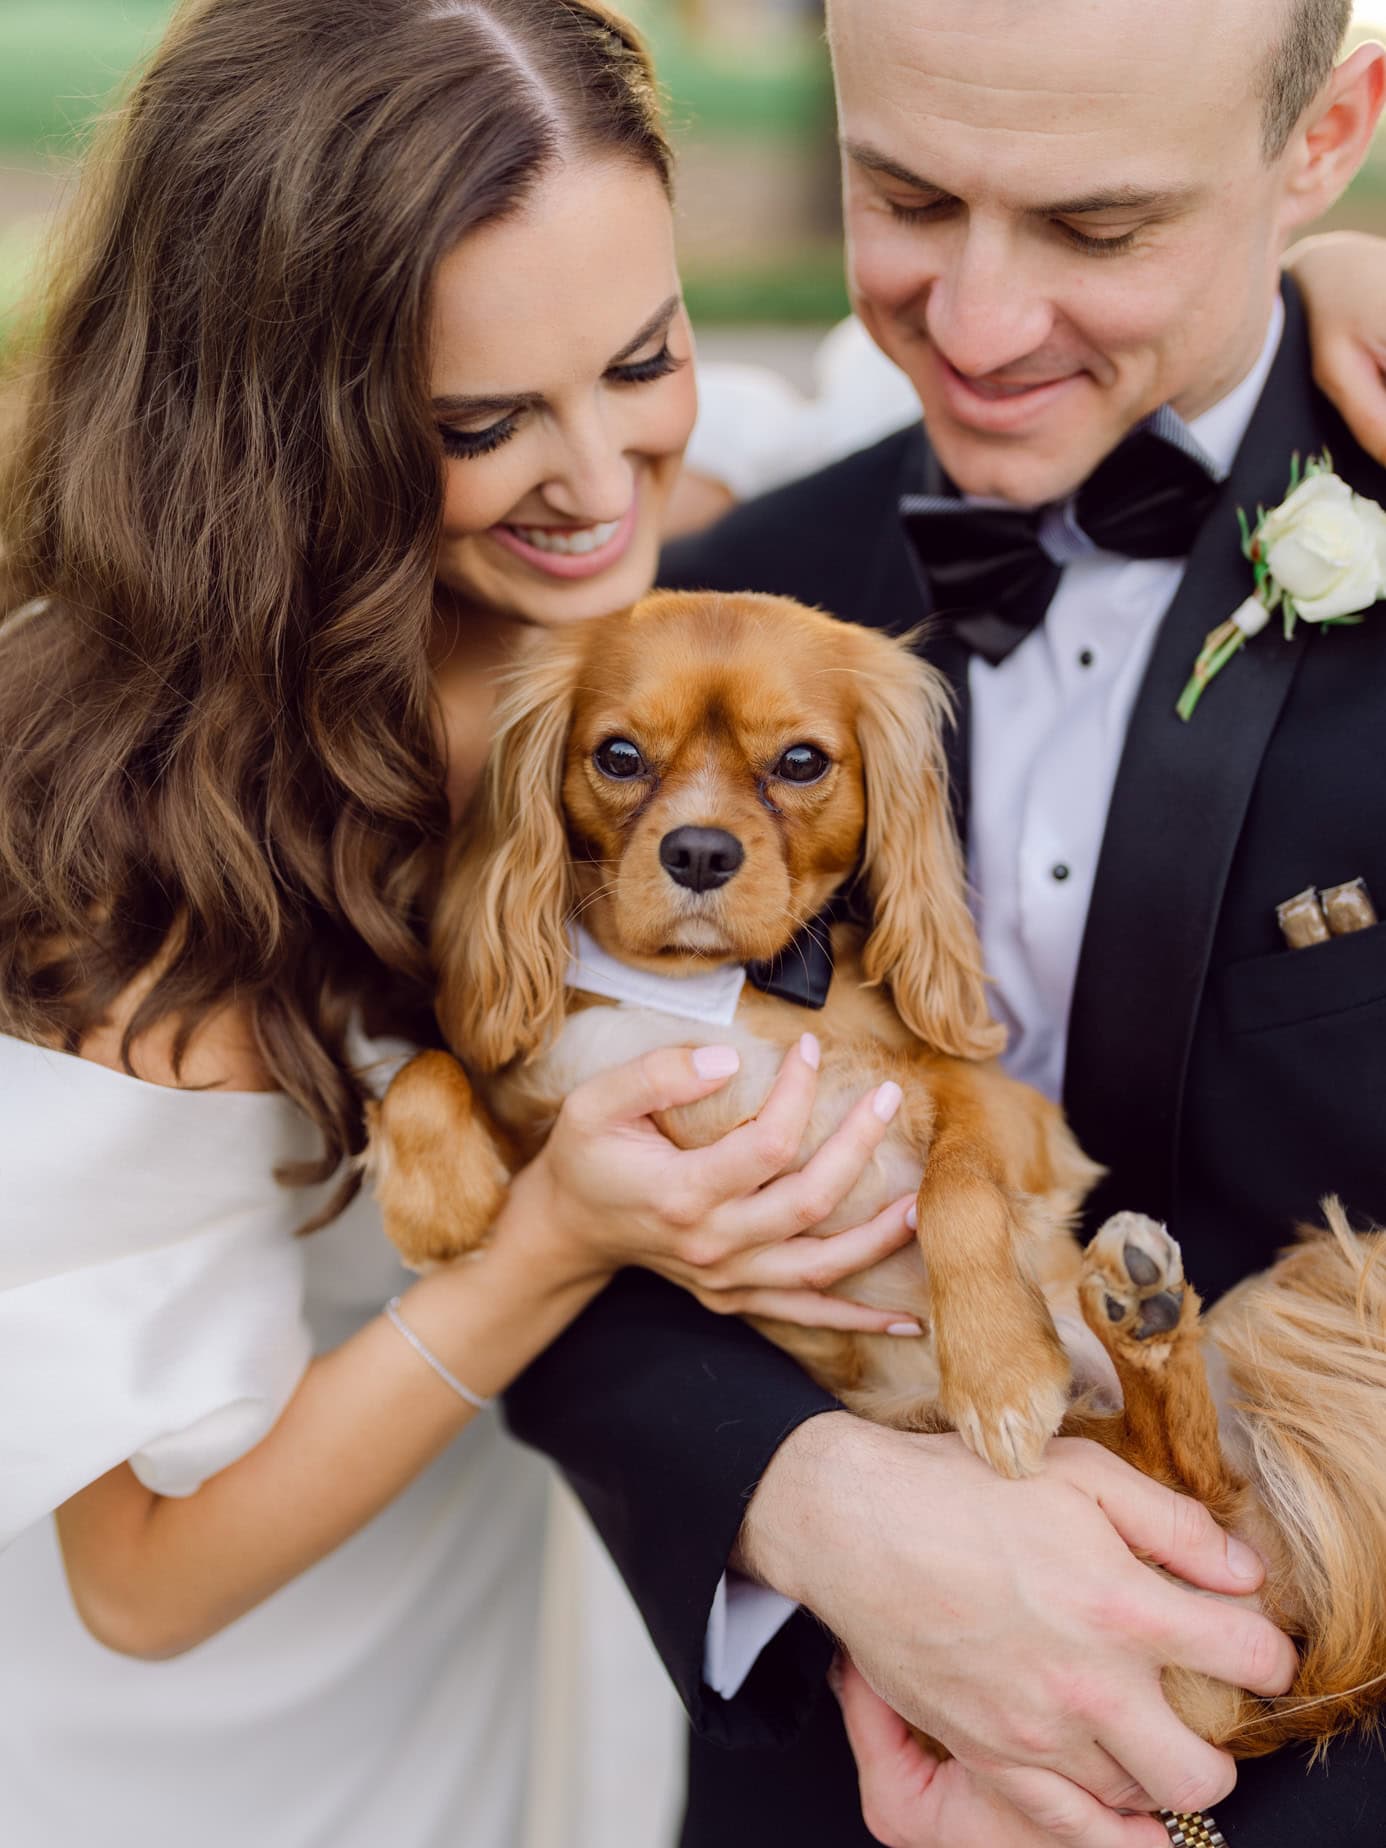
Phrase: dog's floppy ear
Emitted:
{"points": [[499, 939], [923, 943]]}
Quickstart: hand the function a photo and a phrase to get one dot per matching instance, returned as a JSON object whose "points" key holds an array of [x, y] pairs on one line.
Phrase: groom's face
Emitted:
{"points": [[1059, 217]]}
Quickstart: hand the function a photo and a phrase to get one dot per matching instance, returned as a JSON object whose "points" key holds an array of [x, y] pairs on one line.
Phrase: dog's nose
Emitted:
{"points": [[700, 858]]}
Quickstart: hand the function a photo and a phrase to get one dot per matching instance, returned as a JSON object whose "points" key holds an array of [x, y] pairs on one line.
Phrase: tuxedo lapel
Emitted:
{"points": [[1181, 795]]}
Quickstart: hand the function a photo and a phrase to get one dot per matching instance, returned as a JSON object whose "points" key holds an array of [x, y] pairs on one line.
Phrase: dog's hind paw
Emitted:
{"points": [[1133, 1289]]}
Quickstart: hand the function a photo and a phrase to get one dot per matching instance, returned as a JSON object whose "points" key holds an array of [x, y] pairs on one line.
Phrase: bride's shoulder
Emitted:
{"points": [[221, 1053]]}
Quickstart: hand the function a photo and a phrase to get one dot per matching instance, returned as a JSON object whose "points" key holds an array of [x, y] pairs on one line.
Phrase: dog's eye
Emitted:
{"points": [[802, 763], [619, 759]]}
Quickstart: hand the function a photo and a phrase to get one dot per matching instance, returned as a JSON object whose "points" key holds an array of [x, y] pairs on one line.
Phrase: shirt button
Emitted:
{"points": [[1059, 873], [1086, 658]]}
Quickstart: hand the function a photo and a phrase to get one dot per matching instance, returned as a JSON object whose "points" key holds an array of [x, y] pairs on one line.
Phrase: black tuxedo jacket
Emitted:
{"points": [[1226, 1081]]}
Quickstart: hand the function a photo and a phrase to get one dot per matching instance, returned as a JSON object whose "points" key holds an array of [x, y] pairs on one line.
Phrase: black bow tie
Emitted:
{"points": [[990, 578], [802, 972]]}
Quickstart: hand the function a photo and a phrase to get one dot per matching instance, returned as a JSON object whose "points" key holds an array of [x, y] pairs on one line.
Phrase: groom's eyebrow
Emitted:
{"points": [[1123, 198], [867, 157], [1109, 199]]}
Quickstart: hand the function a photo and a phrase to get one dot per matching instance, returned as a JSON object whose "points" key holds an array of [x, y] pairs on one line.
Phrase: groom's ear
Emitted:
{"points": [[1334, 136]]}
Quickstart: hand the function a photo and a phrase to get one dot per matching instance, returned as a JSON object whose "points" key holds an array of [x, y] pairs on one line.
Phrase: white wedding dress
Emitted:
{"points": [[156, 1306]]}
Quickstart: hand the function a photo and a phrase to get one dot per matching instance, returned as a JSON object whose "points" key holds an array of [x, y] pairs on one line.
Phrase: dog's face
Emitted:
{"points": [[713, 786], [693, 779]]}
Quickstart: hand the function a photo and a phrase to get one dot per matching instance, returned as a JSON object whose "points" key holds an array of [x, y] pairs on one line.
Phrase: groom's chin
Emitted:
{"points": [[1028, 467]]}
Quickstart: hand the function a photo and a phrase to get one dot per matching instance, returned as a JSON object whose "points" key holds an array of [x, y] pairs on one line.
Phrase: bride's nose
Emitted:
{"points": [[592, 478]]}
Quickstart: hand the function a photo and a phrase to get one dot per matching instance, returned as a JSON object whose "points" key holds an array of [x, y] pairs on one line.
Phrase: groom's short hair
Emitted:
{"points": [[1300, 64]]}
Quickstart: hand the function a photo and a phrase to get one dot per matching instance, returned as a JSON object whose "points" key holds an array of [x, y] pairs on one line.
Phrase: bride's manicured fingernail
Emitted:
{"points": [[716, 1061], [905, 1328], [912, 1217], [810, 1051], [887, 1101]]}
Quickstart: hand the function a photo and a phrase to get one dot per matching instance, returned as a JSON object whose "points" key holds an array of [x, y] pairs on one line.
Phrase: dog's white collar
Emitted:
{"points": [[710, 998]]}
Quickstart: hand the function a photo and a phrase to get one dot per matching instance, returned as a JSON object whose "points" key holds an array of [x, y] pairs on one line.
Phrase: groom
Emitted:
{"points": [[1063, 217]]}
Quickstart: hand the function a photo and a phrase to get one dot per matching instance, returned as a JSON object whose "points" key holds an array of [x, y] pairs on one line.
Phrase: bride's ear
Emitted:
{"points": [[499, 937]]}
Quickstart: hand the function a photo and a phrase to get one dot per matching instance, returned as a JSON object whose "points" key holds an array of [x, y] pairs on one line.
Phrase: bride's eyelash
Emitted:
{"points": [[466, 445], [646, 371]]}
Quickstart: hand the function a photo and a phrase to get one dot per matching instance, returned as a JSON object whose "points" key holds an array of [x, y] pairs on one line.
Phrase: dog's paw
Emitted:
{"points": [[1008, 1414], [1133, 1287], [438, 1176]]}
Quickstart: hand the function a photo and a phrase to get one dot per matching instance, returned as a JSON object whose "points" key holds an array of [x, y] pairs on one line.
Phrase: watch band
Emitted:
{"points": [[1193, 1831]]}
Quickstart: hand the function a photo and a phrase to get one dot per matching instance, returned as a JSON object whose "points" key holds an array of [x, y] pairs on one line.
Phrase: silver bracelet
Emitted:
{"points": [[474, 1399]]}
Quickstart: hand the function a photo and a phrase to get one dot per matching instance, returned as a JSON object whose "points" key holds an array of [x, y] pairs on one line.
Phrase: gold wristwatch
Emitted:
{"points": [[1193, 1831]]}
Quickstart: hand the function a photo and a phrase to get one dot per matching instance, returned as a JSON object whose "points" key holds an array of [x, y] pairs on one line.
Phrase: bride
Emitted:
{"points": [[366, 353]]}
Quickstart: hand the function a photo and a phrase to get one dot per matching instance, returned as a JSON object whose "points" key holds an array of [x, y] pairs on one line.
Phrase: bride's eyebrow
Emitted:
{"points": [[493, 404], [657, 324], [497, 404]]}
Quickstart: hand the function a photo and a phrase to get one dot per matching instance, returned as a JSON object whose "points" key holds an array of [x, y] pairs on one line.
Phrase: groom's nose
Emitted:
{"points": [[984, 312]]}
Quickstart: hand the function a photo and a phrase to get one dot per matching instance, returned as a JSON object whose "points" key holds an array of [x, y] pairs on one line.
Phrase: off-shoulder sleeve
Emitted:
{"points": [[151, 1287]]}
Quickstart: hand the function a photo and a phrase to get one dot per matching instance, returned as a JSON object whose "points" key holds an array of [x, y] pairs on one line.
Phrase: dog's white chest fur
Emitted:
{"points": [[597, 1038]]}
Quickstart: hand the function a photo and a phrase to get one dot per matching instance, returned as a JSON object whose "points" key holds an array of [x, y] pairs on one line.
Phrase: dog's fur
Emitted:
{"points": [[713, 691]]}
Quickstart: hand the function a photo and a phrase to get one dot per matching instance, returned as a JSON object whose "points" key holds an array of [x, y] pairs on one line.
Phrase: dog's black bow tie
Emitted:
{"points": [[803, 970], [991, 579]]}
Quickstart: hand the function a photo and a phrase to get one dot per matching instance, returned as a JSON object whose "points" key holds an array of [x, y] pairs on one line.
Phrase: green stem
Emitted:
{"points": [[1206, 670]]}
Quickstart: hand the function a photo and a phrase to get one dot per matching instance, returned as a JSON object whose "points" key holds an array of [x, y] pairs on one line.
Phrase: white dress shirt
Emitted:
{"points": [[1047, 730], [1048, 727]]}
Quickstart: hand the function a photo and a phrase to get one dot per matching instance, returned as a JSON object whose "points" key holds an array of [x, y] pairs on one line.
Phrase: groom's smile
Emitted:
{"points": [[1060, 216], [997, 402]]}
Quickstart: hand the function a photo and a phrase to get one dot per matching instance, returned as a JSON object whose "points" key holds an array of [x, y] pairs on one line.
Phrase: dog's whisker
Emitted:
{"points": [[1278, 1713], [586, 904]]}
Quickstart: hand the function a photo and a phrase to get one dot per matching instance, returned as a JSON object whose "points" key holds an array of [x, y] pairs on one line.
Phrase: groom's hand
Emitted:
{"points": [[1016, 1621]]}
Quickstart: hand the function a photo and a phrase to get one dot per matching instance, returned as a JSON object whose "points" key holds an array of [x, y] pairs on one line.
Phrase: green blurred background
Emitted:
{"points": [[750, 105]]}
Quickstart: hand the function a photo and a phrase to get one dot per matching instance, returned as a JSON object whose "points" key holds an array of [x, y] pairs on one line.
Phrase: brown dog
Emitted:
{"points": [[696, 779]]}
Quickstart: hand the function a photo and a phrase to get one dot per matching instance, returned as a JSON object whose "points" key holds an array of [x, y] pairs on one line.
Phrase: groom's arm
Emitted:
{"points": [[664, 1416]]}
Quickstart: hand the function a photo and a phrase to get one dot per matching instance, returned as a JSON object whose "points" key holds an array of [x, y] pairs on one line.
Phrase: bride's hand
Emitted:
{"points": [[724, 1221], [1343, 277], [912, 1799]]}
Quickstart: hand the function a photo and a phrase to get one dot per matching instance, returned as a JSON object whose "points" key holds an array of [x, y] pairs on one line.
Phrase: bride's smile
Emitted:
{"points": [[563, 394]]}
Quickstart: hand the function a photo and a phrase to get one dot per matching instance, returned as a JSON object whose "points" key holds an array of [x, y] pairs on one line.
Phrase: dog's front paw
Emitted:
{"points": [[1133, 1292], [439, 1177], [1007, 1410]]}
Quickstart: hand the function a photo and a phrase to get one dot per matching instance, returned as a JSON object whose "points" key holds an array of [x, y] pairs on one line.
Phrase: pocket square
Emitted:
{"points": [[1312, 916]]}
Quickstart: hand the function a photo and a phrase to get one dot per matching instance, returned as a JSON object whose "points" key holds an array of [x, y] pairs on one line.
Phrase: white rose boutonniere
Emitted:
{"points": [[1319, 557]]}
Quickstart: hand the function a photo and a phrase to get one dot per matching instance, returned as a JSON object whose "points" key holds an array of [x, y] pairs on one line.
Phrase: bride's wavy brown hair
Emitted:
{"points": [[220, 517]]}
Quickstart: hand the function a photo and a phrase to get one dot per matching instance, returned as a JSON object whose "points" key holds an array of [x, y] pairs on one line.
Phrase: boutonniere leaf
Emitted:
{"points": [[1319, 557]]}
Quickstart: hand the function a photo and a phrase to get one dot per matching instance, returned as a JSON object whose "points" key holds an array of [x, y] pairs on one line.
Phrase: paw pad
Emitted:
{"points": [[1139, 1270]]}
